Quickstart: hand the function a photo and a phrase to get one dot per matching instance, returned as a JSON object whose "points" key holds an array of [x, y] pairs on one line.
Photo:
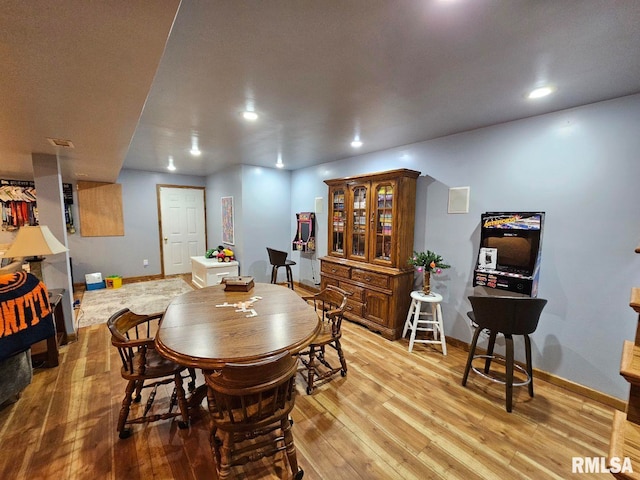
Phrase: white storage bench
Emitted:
{"points": [[209, 271]]}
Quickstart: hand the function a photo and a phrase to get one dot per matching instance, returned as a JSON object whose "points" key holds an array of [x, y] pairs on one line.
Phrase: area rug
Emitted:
{"points": [[142, 297]]}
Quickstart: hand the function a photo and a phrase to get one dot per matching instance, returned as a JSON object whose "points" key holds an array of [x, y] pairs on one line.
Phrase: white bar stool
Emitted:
{"points": [[432, 321]]}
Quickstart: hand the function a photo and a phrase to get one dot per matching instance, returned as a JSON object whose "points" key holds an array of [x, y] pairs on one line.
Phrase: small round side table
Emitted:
{"points": [[428, 321]]}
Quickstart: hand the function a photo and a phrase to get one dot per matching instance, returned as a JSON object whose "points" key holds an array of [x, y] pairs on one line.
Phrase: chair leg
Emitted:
{"points": [[214, 442], [192, 384], [407, 322], [311, 369], [472, 351], [124, 410], [527, 349], [289, 277], [285, 424], [139, 386], [414, 325], [509, 380], [274, 274], [223, 449], [343, 361], [182, 401], [492, 342], [443, 340]]}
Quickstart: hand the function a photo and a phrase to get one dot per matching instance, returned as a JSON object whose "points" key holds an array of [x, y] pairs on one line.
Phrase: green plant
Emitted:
{"points": [[428, 261]]}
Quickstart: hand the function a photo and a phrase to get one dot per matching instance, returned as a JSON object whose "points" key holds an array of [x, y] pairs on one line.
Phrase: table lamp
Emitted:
{"points": [[35, 242]]}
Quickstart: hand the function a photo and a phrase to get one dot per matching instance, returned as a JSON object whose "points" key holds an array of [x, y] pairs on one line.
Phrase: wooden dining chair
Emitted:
{"points": [[143, 367], [329, 304], [249, 404]]}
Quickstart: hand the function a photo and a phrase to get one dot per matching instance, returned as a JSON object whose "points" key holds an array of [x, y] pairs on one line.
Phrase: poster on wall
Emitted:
{"points": [[227, 220]]}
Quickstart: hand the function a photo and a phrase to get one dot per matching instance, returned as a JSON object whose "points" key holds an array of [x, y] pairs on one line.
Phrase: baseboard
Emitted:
{"points": [[573, 387], [146, 278], [304, 286], [71, 337]]}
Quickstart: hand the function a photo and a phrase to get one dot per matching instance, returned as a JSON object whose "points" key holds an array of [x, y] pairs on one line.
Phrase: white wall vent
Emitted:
{"points": [[59, 142]]}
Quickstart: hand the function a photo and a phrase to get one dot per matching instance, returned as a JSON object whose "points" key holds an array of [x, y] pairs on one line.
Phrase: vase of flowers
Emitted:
{"points": [[427, 262]]}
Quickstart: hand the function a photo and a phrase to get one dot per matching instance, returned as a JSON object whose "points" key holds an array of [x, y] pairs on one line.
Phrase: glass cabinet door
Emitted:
{"points": [[359, 224], [384, 233], [339, 217]]}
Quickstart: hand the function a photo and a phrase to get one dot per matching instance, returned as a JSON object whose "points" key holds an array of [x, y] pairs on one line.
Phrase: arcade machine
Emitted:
{"points": [[510, 247], [305, 240]]}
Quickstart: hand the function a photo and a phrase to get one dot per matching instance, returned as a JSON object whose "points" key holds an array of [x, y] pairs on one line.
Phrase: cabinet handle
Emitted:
{"points": [[368, 279], [333, 270], [372, 218]]}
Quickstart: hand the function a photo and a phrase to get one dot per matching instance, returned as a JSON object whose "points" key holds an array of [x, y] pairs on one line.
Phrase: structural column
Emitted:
{"points": [[56, 269]]}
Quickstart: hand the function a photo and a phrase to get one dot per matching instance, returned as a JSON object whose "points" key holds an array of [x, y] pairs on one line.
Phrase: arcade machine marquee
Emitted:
{"points": [[510, 247]]}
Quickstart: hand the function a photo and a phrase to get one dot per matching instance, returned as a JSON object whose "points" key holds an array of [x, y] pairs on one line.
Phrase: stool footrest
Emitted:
{"points": [[498, 380]]}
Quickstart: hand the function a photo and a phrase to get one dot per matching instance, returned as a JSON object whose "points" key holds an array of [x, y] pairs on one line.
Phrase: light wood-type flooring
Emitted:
{"points": [[395, 416]]}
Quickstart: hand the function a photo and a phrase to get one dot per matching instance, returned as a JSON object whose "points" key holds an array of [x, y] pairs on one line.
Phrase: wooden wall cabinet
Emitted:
{"points": [[370, 239]]}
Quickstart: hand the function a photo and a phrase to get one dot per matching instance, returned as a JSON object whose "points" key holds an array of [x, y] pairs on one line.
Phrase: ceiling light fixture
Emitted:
{"points": [[250, 115], [171, 167], [356, 142], [540, 92], [279, 163], [195, 151]]}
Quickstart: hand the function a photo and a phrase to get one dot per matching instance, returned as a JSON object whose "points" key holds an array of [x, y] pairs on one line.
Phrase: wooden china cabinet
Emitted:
{"points": [[371, 222]]}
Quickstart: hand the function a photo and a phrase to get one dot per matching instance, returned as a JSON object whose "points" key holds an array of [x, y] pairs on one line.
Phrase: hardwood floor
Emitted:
{"points": [[395, 416]]}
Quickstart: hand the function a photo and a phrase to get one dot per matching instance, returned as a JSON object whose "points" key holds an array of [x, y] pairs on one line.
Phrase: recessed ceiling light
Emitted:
{"points": [[195, 151], [279, 163], [171, 167], [249, 115], [540, 92], [356, 143]]}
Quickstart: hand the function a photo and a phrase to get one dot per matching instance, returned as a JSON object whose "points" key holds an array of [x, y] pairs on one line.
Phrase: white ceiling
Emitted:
{"points": [[399, 72]]}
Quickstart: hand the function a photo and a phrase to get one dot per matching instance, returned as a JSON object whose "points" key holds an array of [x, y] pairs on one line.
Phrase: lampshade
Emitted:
{"points": [[33, 242]]}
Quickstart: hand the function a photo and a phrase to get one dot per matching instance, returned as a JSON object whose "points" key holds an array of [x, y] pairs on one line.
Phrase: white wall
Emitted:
{"points": [[266, 197], [580, 166], [124, 255], [262, 200]]}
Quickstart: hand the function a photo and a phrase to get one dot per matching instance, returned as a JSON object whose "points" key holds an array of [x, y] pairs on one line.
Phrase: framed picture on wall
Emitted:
{"points": [[227, 220]]}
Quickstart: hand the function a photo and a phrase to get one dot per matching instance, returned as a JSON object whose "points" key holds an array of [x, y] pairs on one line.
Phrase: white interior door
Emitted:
{"points": [[183, 227]]}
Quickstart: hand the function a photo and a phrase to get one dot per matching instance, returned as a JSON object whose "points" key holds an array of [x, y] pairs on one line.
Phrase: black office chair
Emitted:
{"points": [[508, 316], [278, 259]]}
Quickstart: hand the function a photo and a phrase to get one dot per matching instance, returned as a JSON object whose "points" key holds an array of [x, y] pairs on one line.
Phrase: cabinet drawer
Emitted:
{"points": [[333, 269], [370, 278], [354, 308], [357, 293], [328, 281]]}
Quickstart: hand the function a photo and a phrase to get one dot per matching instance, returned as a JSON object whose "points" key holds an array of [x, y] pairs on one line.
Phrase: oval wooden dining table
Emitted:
{"points": [[210, 327]]}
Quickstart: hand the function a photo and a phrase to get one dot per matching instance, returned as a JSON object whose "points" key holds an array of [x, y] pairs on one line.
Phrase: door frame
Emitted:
{"points": [[159, 206]]}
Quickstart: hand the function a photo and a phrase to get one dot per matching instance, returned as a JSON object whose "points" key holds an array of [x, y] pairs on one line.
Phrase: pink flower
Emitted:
{"points": [[419, 269], [438, 270]]}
